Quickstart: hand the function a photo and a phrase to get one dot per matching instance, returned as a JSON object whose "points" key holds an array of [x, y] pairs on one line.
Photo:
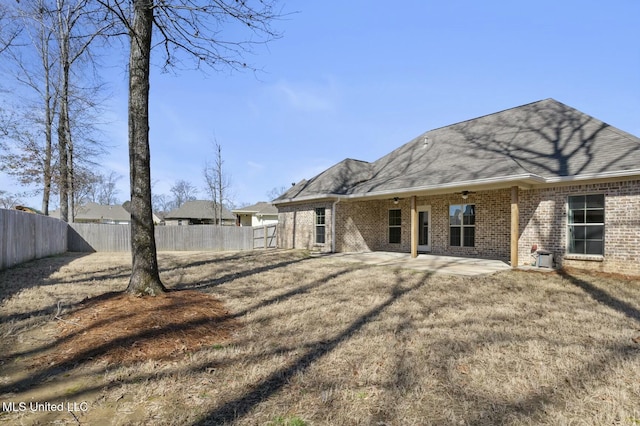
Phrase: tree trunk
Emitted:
{"points": [[145, 279], [63, 119], [63, 161], [46, 193], [71, 178]]}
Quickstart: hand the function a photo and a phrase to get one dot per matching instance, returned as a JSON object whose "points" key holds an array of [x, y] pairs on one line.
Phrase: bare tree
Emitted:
{"points": [[86, 186], [218, 182], [76, 28], [55, 43], [275, 192], [188, 29], [108, 194], [162, 204], [32, 158], [98, 188], [183, 191], [9, 30], [9, 200]]}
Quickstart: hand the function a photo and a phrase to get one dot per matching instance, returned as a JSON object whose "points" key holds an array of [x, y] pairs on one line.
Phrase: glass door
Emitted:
{"points": [[424, 228]]}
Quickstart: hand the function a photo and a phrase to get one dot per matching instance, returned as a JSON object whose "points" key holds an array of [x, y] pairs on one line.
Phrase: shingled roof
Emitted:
{"points": [[545, 141], [98, 212], [260, 208], [198, 209]]}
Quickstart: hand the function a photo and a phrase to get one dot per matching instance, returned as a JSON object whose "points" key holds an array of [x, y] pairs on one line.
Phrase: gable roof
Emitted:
{"points": [[545, 141], [339, 179], [94, 211], [261, 208], [198, 209]]}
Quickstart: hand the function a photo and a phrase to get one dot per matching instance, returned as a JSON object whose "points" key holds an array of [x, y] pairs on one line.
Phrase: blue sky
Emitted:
{"points": [[358, 79]]}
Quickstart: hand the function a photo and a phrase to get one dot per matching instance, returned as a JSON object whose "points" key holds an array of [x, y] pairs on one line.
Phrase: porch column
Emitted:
{"points": [[515, 231], [414, 227]]}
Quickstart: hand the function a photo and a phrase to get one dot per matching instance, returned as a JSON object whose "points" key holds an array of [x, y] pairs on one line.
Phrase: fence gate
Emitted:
{"points": [[264, 237]]}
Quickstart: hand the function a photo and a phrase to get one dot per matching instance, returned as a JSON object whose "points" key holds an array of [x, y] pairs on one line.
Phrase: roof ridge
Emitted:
{"points": [[493, 113], [355, 159]]}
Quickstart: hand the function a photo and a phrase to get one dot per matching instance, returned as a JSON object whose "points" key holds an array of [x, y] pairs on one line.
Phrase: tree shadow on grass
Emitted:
{"points": [[241, 406], [536, 402], [148, 334], [35, 273], [602, 296], [528, 405], [531, 405], [243, 273], [43, 278]]}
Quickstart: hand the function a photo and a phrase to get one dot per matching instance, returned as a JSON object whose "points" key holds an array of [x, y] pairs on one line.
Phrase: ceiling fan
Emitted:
{"points": [[465, 194]]}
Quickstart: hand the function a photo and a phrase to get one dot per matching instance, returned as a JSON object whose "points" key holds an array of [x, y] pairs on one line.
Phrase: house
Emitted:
{"points": [[259, 214], [198, 212], [99, 213], [542, 176]]}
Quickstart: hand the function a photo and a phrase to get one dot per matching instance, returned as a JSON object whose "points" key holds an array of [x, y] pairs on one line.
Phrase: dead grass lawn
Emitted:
{"points": [[280, 337]]}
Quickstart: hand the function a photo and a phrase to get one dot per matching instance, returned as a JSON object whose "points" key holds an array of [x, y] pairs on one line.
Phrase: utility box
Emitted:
{"points": [[545, 259]]}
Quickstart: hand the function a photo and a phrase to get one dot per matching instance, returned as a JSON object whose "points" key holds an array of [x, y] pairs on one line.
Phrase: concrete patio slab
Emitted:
{"points": [[426, 262]]}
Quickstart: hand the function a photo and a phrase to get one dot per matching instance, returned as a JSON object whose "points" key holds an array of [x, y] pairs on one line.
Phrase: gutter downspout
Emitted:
{"points": [[333, 225]]}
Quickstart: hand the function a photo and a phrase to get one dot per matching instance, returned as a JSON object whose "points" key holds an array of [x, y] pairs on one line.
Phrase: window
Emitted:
{"points": [[462, 225], [320, 225], [395, 226], [586, 224]]}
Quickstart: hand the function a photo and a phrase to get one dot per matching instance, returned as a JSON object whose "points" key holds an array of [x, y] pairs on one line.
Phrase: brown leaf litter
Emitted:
{"points": [[122, 328]]}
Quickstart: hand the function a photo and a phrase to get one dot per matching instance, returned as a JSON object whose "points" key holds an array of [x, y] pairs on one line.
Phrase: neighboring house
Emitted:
{"points": [[542, 176], [259, 214], [99, 213], [199, 212]]}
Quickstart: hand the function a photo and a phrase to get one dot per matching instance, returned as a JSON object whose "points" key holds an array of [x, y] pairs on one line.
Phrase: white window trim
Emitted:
{"points": [[316, 225], [584, 256], [393, 226], [462, 225]]}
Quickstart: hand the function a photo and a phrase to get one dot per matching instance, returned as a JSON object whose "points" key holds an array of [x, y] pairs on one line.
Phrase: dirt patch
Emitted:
{"points": [[122, 328]]}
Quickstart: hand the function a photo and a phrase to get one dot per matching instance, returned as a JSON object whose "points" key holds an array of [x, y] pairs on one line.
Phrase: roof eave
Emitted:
{"points": [[594, 176], [315, 198], [526, 181]]}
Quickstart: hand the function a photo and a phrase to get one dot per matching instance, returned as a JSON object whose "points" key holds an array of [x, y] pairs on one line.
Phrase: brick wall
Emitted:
{"points": [[297, 229], [360, 226], [363, 225], [543, 221], [493, 218]]}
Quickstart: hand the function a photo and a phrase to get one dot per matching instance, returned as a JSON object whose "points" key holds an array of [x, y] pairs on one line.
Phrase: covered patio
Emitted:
{"points": [[425, 262]]}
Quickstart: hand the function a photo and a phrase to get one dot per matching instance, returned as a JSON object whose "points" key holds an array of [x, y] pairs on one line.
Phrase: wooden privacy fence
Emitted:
{"points": [[98, 237], [27, 236], [264, 237]]}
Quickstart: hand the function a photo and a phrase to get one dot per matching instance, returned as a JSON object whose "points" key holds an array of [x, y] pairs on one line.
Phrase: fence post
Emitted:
{"points": [[266, 240]]}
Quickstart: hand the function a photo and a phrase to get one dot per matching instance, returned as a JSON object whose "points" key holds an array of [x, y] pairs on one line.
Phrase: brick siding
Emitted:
{"points": [[297, 228], [543, 222], [363, 225]]}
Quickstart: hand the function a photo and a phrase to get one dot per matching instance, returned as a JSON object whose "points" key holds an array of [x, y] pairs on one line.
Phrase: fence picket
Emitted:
{"points": [[168, 238], [26, 236]]}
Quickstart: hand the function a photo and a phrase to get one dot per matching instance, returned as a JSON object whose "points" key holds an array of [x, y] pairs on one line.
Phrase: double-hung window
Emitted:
{"points": [[586, 224], [395, 226], [462, 225], [320, 225]]}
